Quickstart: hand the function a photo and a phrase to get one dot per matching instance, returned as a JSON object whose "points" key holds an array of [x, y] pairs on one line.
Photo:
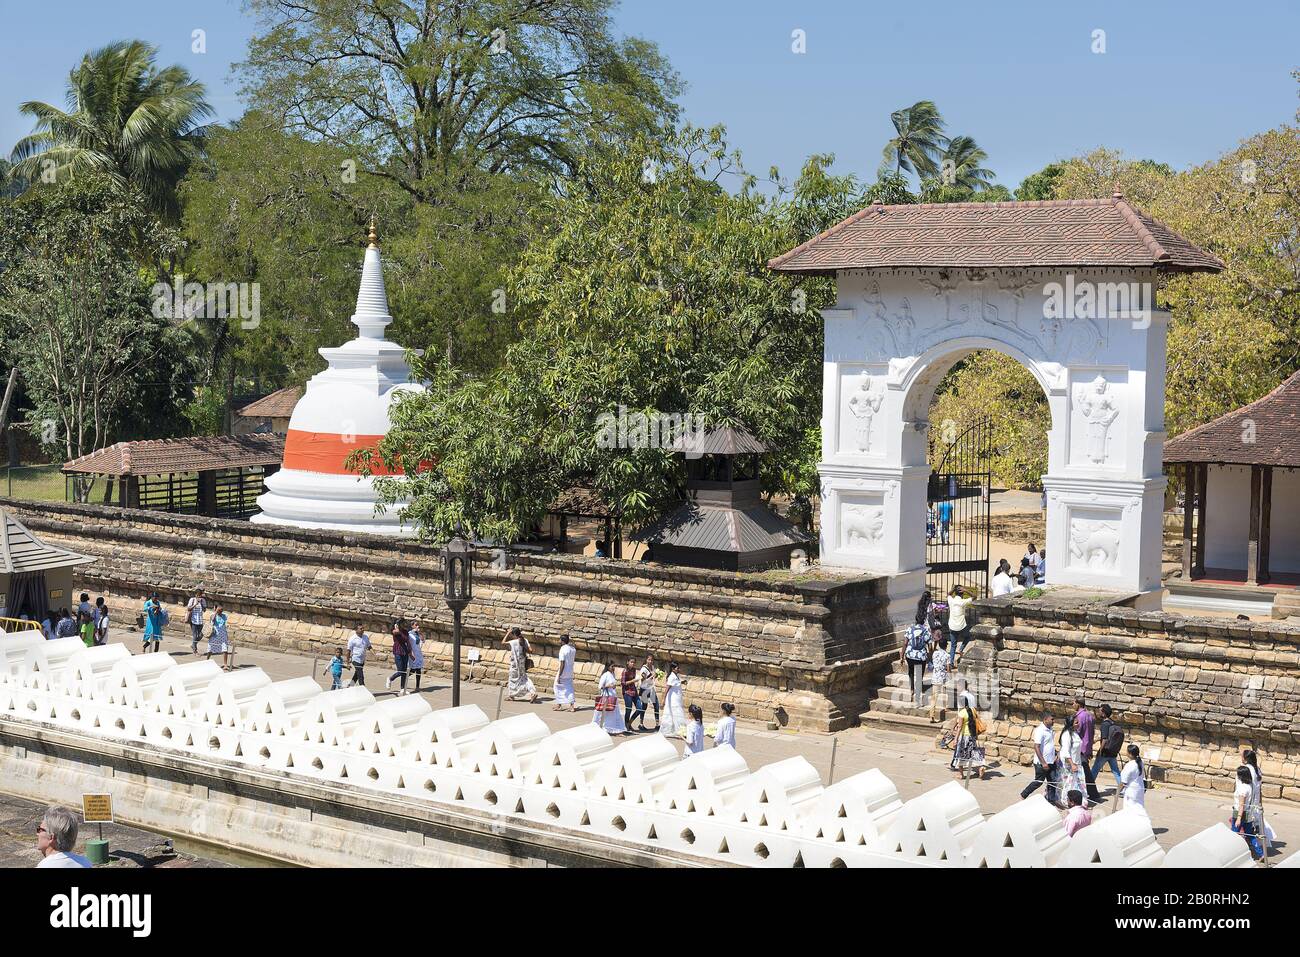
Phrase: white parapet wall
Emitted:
{"points": [[638, 793]]}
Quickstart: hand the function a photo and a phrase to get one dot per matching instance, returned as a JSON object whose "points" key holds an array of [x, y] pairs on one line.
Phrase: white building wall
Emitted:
{"points": [[1228, 524], [1284, 529]]}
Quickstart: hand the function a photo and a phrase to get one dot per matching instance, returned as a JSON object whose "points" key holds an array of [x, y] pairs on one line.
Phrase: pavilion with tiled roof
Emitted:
{"points": [[1234, 469], [213, 475], [271, 413]]}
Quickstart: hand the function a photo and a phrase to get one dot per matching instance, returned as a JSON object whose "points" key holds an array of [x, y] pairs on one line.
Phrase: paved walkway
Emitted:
{"points": [[911, 762]]}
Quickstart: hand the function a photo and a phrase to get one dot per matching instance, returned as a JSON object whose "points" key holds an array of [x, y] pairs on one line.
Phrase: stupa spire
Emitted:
{"points": [[372, 314]]}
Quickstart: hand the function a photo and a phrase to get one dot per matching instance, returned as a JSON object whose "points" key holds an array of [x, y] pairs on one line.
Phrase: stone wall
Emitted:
{"points": [[1199, 689], [803, 651]]}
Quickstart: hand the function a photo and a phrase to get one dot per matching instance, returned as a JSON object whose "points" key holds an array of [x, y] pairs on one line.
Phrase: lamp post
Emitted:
{"points": [[457, 590]]}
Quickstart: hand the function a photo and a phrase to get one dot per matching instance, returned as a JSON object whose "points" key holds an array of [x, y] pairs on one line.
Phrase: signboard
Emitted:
{"points": [[97, 808], [56, 594], [474, 655]]}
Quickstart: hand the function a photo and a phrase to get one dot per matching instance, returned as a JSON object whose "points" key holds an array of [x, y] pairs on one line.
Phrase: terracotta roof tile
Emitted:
{"points": [[1046, 233], [278, 405], [1273, 423], [191, 454]]}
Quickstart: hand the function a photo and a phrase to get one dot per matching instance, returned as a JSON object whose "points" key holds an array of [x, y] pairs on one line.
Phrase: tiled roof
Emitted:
{"points": [[192, 454], [1047, 233], [726, 441], [721, 528], [277, 405], [1266, 432], [21, 551]]}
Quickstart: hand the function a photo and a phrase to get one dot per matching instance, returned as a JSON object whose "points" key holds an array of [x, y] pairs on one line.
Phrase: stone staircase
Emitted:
{"points": [[894, 706]]}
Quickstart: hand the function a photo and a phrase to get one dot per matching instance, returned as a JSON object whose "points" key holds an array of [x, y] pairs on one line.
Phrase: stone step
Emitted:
{"points": [[906, 706], [912, 724]]}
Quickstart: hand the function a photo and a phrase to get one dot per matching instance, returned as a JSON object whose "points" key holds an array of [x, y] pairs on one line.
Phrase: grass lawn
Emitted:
{"points": [[41, 483]]}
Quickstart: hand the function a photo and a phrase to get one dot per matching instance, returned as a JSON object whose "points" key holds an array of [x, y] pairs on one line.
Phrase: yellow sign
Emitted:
{"points": [[97, 808], [56, 594]]}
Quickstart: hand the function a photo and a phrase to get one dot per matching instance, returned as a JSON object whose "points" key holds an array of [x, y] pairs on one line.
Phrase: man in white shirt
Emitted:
{"points": [[1044, 761], [358, 645], [56, 837], [194, 610]]}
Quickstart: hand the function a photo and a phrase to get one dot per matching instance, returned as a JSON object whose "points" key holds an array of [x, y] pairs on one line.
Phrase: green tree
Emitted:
{"points": [[138, 125], [649, 294], [76, 310], [1040, 185], [918, 142], [429, 90], [961, 165]]}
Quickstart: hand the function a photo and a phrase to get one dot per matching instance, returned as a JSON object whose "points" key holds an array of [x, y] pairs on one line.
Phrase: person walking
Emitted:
{"points": [[1085, 726], [417, 654], [401, 655], [1044, 761], [564, 676], [608, 716], [726, 733], [1246, 818], [940, 662], [674, 722], [1071, 756], [1251, 760], [195, 609], [916, 653], [694, 729], [632, 696], [336, 670], [1110, 740], [967, 753], [101, 621], [219, 640], [958, 626], [519, 683], [358, 645], [154, 619], [646, 678], [1133, 780], [56, 836], [945, 521], [1078, 816]]}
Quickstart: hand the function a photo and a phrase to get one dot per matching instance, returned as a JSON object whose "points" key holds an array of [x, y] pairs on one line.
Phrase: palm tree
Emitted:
{"points": [[919, 141], [140, 126], [961, 167]]}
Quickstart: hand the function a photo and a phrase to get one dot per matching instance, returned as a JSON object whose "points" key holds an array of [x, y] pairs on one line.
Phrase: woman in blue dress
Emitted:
{"points": [[154, 619]]}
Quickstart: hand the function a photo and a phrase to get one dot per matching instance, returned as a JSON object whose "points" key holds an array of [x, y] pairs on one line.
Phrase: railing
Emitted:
{"points": [[10, 625]]}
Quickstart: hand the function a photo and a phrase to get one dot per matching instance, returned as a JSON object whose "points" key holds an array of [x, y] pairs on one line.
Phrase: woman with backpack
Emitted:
{"points": [[1133, 780], [916, 652], [967, 754]]}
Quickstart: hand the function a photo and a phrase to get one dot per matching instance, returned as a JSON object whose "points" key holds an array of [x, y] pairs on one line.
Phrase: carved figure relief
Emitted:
{"points": [[863, 406], [1099, 408], [862, 527], [1094, 543]]}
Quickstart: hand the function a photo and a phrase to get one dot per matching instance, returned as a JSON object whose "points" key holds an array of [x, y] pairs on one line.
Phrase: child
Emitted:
{"points": [[336, 670], [695, 730], [726, 727]]}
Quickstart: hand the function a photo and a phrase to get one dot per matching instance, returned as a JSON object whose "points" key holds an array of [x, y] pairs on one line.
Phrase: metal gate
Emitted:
{"points": [[957, 513]]}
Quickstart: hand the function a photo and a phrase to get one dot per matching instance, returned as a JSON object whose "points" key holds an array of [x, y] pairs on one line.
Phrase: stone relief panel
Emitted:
{"points": [[1094, 539], [862, 524], [1096, 414], [862, 394]]}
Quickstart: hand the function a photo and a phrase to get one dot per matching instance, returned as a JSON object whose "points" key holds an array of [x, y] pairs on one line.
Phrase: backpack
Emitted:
{"points": [[1115, 739], [163, 616], [918, 640]]}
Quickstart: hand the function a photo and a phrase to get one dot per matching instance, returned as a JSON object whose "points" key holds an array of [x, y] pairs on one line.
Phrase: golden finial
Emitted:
{"points": [[374, 235]]}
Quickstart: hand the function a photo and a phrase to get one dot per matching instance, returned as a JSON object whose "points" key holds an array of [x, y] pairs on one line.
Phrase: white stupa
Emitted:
{"points": [[343, 408]]}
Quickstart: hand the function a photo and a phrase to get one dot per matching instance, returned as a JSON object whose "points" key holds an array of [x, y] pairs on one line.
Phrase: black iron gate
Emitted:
{"points": [[957, 512]]}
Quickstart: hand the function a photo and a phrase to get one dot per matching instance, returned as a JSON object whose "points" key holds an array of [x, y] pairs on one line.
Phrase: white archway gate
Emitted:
{"points": [[1089, 334]]}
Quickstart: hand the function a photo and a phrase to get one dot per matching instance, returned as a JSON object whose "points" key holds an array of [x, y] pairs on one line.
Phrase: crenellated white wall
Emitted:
{"points": [[711, 805], [890, 340]]}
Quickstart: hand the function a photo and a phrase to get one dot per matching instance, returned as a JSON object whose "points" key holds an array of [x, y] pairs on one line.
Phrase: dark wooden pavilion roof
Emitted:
{"points": [[1266, 432]]}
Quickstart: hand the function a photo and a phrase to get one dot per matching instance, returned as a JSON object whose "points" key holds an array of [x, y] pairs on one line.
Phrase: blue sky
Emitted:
{"points": [[1180, 82]]}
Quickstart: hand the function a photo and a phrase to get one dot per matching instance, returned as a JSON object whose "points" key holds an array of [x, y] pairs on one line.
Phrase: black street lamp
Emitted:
{"points": [[457, 590]]}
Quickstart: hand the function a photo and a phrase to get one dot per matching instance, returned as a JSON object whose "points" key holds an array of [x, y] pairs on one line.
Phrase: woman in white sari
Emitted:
{"points": [[609, 715], [519, 684], [1072, 778], [674, 716]]}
